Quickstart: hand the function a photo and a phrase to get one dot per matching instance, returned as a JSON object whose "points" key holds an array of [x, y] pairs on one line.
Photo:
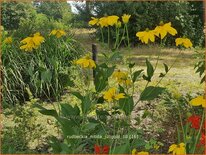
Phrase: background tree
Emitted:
{"points": [[186, 17]]}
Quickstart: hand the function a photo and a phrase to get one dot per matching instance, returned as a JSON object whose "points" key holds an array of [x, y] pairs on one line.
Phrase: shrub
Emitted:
{"points": [[45, 71]]}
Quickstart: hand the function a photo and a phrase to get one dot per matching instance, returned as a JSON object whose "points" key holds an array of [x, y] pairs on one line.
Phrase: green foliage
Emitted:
{"points": [[17, 138], [13, 13], [45, 71], [200, 66], [186, 17]]}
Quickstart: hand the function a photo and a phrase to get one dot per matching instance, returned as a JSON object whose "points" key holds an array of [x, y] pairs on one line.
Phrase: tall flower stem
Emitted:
{"points": [[128, 44], [102, 34], [108, 37]]}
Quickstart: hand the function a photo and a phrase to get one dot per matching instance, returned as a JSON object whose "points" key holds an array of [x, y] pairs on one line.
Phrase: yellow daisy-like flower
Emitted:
{"points": [[134, 152], [32, 42], [8, 40], [122, 77], [125, 18], [86, 62], [103, 22], [111, 95], [183, 41], [163, 29], [58, 33], [112, 20], [198, 101], [177, 149], [93, 21], [145, 36]]}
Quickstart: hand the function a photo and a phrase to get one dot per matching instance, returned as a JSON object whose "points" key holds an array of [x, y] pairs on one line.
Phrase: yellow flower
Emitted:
{"points": [[183, 41], [111, 95], [163, 29], [143, 153], [125, 18], [145, 36], [112, 20], [32, 42], [58, 33], [8, 40], [118, 24], [103, 22], [122, 77], [198, 101], [177, 149], [86, 62], [93, 21], [134, 152]]}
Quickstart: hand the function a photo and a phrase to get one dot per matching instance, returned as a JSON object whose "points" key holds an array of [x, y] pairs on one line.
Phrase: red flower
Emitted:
{"points": [[195, 121], [98, 149], [202, 139]]}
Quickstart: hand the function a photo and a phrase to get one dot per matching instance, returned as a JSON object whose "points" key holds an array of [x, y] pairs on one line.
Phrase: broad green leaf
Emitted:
{"points": [[45, 111], [151, 93], [67, 126], [150, 69], [127, 105], [136, 75]]}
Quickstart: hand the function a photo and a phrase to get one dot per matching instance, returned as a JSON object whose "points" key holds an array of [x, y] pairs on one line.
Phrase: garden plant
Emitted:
{"points": [[61, 98]]}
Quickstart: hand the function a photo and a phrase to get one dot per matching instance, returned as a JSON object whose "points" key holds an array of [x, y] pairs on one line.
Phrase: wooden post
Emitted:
{"points": [[94, 56]]}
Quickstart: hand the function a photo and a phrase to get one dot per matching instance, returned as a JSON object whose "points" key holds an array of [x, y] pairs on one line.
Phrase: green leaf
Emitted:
{"points": [[78, 95], [45, 111], [150, 69], [127, 105], [136, 74], [166, 68], [102, 73], [151, 93], [68, 110], [67, 126], [131, 65], [86, 104], [89, 127]]}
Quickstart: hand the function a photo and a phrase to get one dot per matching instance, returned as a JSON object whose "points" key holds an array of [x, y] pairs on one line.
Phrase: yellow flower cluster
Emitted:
{"points": [[161, 31], [58, 33], [177, 149], [111, 95], [122, 77], [31, 43], [109, 21], [8, 40], [174, 148], [85, 62], [34, 42]]}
